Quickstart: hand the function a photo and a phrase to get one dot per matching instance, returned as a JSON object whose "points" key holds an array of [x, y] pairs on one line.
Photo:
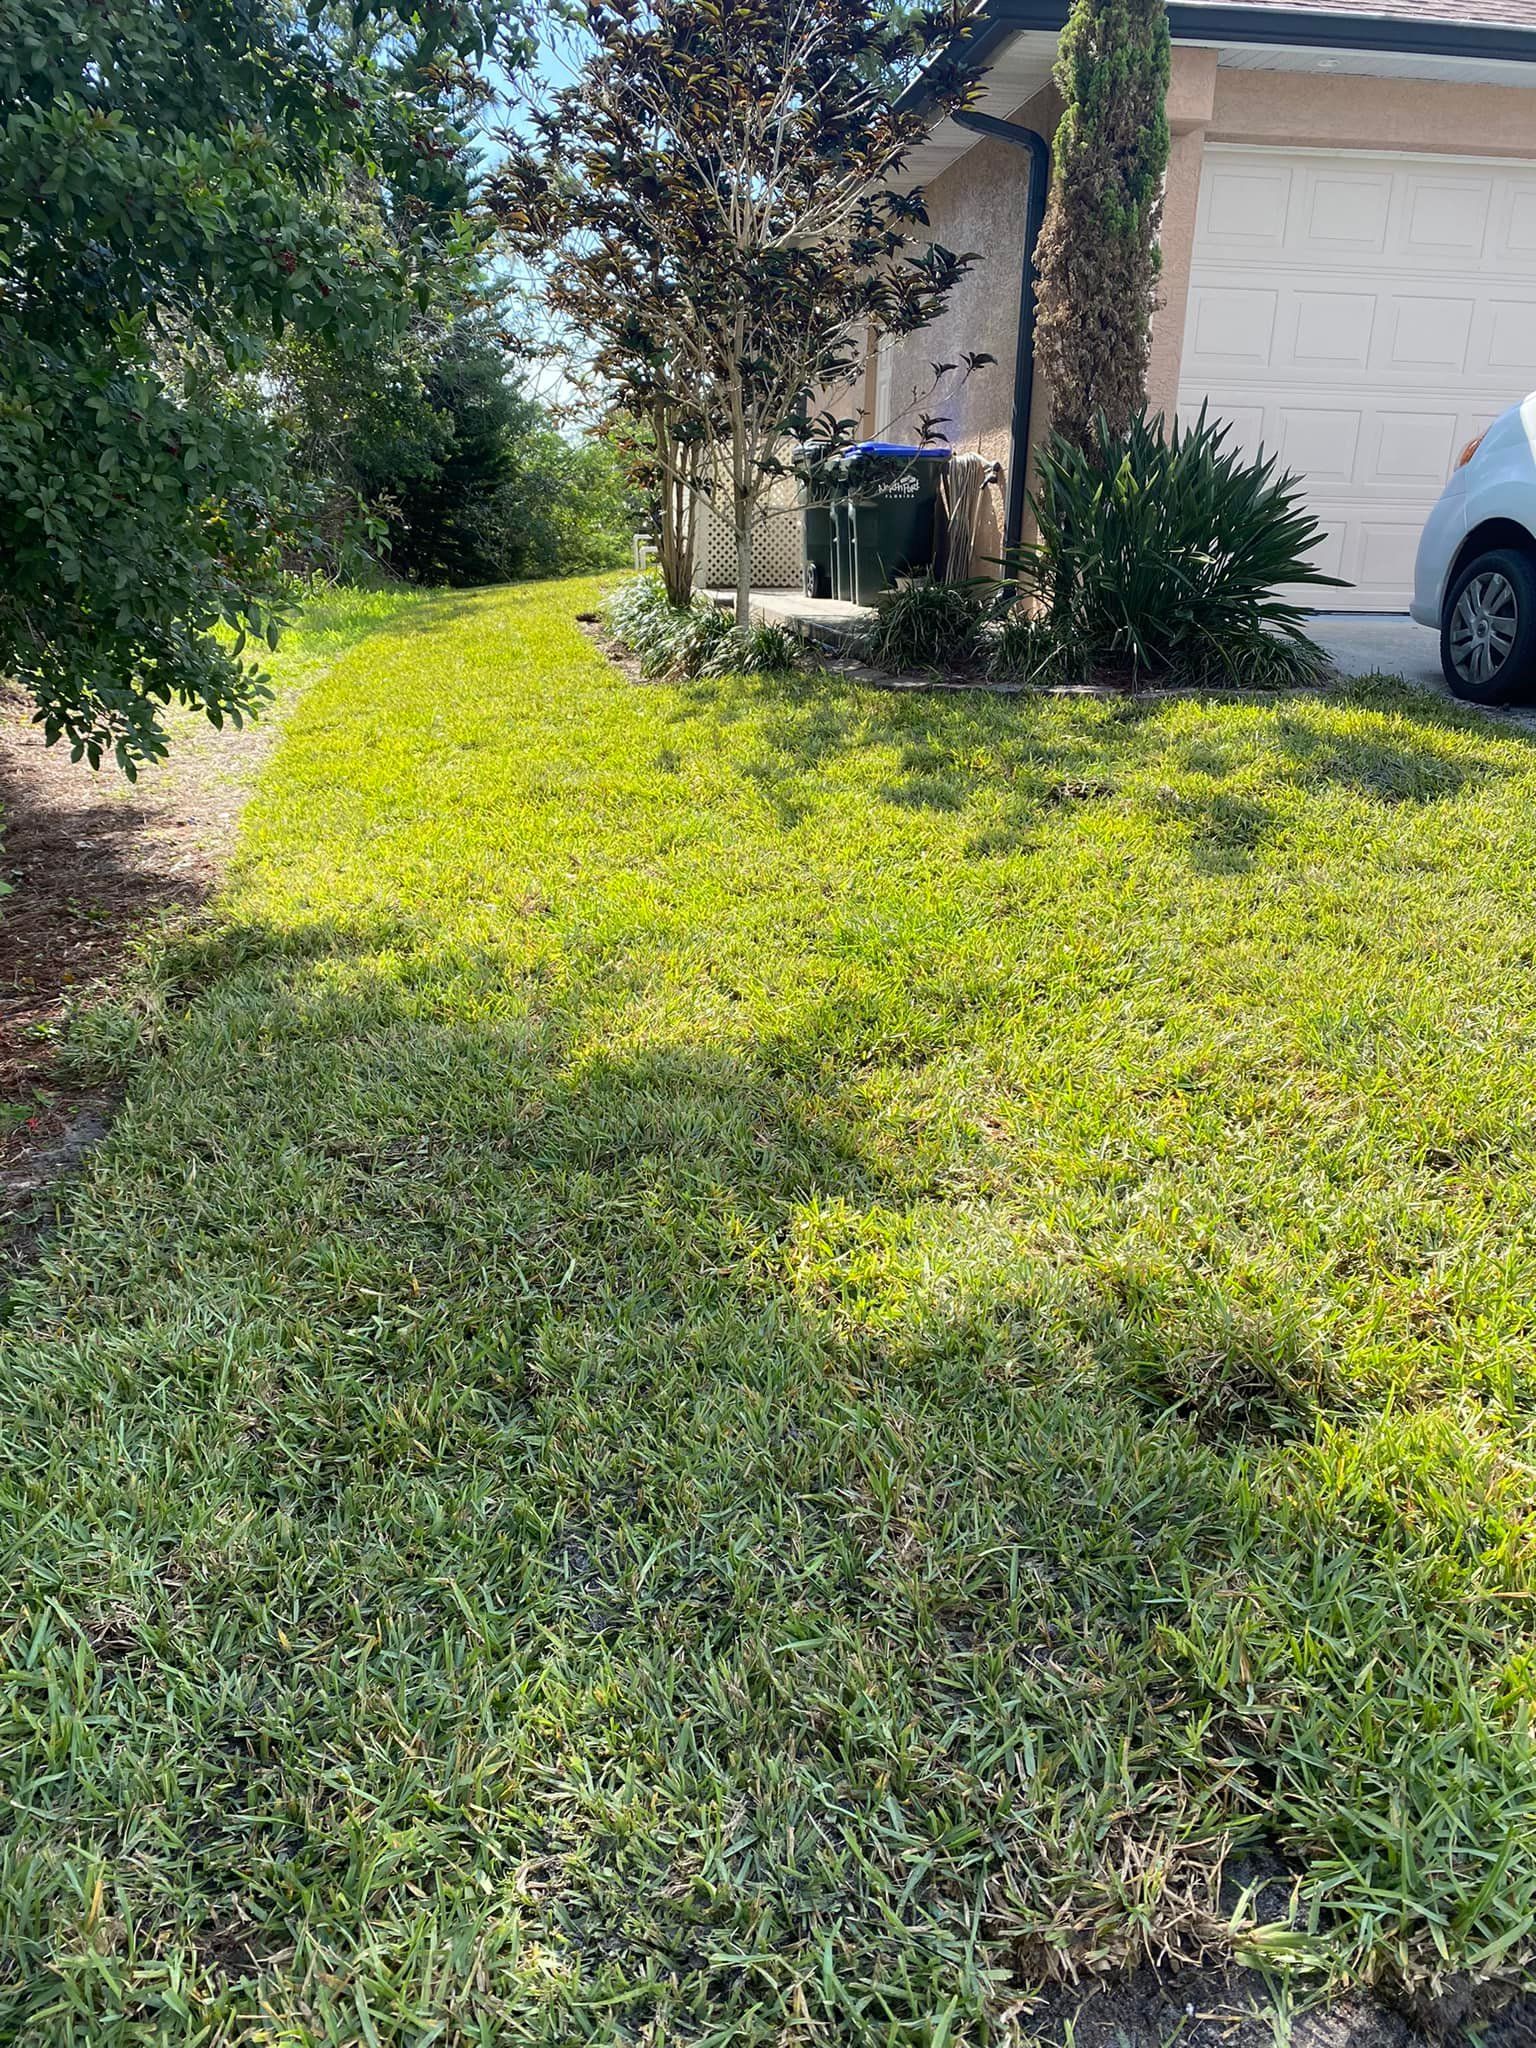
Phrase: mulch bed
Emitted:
{"points": [[93, 861]]}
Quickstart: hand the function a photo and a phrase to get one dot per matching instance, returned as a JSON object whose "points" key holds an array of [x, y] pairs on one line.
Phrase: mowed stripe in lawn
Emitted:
{"points": [[754, 1359]]}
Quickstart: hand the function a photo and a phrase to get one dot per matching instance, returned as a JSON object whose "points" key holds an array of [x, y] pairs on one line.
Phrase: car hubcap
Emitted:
{"points": [[1483, 627]]}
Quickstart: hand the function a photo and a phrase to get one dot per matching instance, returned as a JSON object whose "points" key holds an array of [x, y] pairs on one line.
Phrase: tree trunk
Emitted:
{"points": [[678, 464], [677, 540], [676, 558], [743, 566]]}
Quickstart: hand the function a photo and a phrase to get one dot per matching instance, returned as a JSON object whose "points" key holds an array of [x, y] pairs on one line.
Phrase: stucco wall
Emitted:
{"points": [[1191, 97], [1309, 110], [977, 204]]}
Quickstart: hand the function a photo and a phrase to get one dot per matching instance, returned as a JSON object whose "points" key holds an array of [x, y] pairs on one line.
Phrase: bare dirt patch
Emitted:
{"points": [[1209, 2007], [93, 861]]}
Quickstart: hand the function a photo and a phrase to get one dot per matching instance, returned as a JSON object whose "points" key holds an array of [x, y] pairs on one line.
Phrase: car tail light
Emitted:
{"points": [[1469, 451]]}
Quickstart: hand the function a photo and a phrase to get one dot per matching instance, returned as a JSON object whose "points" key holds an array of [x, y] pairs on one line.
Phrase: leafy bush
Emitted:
{"points": [[179, 188], [669, 640], [630, 612], [928, 625], [464, 474], [1160, 552], [695, 640], [1022, 649]]}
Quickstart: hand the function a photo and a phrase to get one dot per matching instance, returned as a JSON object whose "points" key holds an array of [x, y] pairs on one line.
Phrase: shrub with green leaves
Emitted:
{"points": [[1098, 252], [1160, 553], [762, 650], [676, 641], [174, 196], [668, 640], [927, 625], [1021, 649]]}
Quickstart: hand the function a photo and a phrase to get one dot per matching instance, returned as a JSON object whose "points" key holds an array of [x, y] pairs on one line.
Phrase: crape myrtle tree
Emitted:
{"points": [[1098, 256], [716, 205], [180, 186]]}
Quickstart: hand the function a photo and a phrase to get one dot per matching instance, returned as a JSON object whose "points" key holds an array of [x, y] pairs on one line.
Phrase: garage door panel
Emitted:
{"points": [[1317, 441], [1505, 341], [1244, 204], [1445, 219], [1347, 216], [1327, 555], [1408, 450], [1422, 332], [1327, 331], [1516, 235], [1363, 316], [1381, 558], [1232, 327], [1249, 426]]}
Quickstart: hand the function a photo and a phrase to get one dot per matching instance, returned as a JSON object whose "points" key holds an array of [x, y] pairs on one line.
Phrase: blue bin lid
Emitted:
{"points": [[900, 448]]}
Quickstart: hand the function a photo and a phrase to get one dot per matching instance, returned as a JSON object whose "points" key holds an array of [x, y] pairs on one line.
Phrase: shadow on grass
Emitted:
{"points": [[1047, 755], [595, 1460], [342, 619]]}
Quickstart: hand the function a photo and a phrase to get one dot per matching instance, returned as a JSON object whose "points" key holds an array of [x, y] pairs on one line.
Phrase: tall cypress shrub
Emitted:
{"points": [[1098, 254]]}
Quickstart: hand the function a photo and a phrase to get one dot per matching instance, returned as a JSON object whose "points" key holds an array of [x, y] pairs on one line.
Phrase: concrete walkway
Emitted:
{"points": [[822, 620]]}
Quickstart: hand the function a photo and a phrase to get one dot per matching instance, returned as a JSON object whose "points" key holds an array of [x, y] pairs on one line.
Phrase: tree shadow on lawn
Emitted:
{"points": [[1029, 760], [567, 1457]]}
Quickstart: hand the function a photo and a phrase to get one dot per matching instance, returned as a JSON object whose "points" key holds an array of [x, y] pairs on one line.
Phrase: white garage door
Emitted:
{"points": [[1363, 317]]}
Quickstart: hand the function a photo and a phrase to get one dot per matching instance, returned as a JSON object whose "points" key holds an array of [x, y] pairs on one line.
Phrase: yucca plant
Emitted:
{"points": [[1159, 552]]}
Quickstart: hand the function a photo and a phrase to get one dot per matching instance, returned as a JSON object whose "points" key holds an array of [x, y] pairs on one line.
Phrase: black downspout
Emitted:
{"points": [[1024, 354]]}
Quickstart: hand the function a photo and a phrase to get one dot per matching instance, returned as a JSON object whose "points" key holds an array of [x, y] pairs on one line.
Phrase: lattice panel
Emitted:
{"points": [[776, 546]]}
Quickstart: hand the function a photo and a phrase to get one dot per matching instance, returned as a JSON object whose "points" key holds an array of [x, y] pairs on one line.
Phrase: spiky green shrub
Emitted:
{"points": [[928, 625], [1022, 649], [1159, 553], [636, 612]]}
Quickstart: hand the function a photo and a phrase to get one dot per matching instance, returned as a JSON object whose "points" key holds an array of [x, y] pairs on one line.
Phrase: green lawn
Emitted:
{"points": [[752, 1357]]}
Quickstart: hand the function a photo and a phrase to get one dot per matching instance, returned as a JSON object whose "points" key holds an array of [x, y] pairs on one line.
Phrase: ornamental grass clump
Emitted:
{"points": [[674, 642], [927, 625]]}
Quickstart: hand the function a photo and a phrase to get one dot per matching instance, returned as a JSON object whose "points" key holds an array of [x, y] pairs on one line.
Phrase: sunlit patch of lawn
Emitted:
{"points": [[760, 1358]]}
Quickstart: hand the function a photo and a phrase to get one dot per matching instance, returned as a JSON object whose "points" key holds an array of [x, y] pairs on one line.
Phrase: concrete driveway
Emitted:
{"points": [[1390, 644], [1380, 643]]}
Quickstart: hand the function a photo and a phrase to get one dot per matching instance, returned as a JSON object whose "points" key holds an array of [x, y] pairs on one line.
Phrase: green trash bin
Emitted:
{"points": [[893, 502], [820, 471], [842, 551]]}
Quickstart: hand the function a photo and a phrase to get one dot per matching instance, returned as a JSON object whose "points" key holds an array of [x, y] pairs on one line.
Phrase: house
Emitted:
{"points": [[1349, 251]]}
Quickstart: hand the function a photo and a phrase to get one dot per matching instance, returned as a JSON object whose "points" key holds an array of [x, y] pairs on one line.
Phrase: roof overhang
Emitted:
{"points": [[1016, 48]]}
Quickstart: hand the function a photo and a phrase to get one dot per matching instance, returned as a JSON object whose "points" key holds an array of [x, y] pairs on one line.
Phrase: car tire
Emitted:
{"points": [[1488, 628]]}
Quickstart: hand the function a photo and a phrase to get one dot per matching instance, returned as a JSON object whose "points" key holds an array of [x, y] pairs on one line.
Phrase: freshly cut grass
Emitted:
{"points": [[760, 1360]]}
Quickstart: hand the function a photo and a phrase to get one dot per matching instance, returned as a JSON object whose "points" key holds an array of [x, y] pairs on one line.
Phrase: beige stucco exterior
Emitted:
{"points": [[978, 204]]}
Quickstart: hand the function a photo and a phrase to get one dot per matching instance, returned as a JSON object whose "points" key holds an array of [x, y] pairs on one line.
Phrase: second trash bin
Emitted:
{"points": [[888, 522]]}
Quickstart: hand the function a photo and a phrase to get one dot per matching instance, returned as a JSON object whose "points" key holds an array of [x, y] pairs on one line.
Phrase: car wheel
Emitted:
{"points": [[1488, 628]]}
